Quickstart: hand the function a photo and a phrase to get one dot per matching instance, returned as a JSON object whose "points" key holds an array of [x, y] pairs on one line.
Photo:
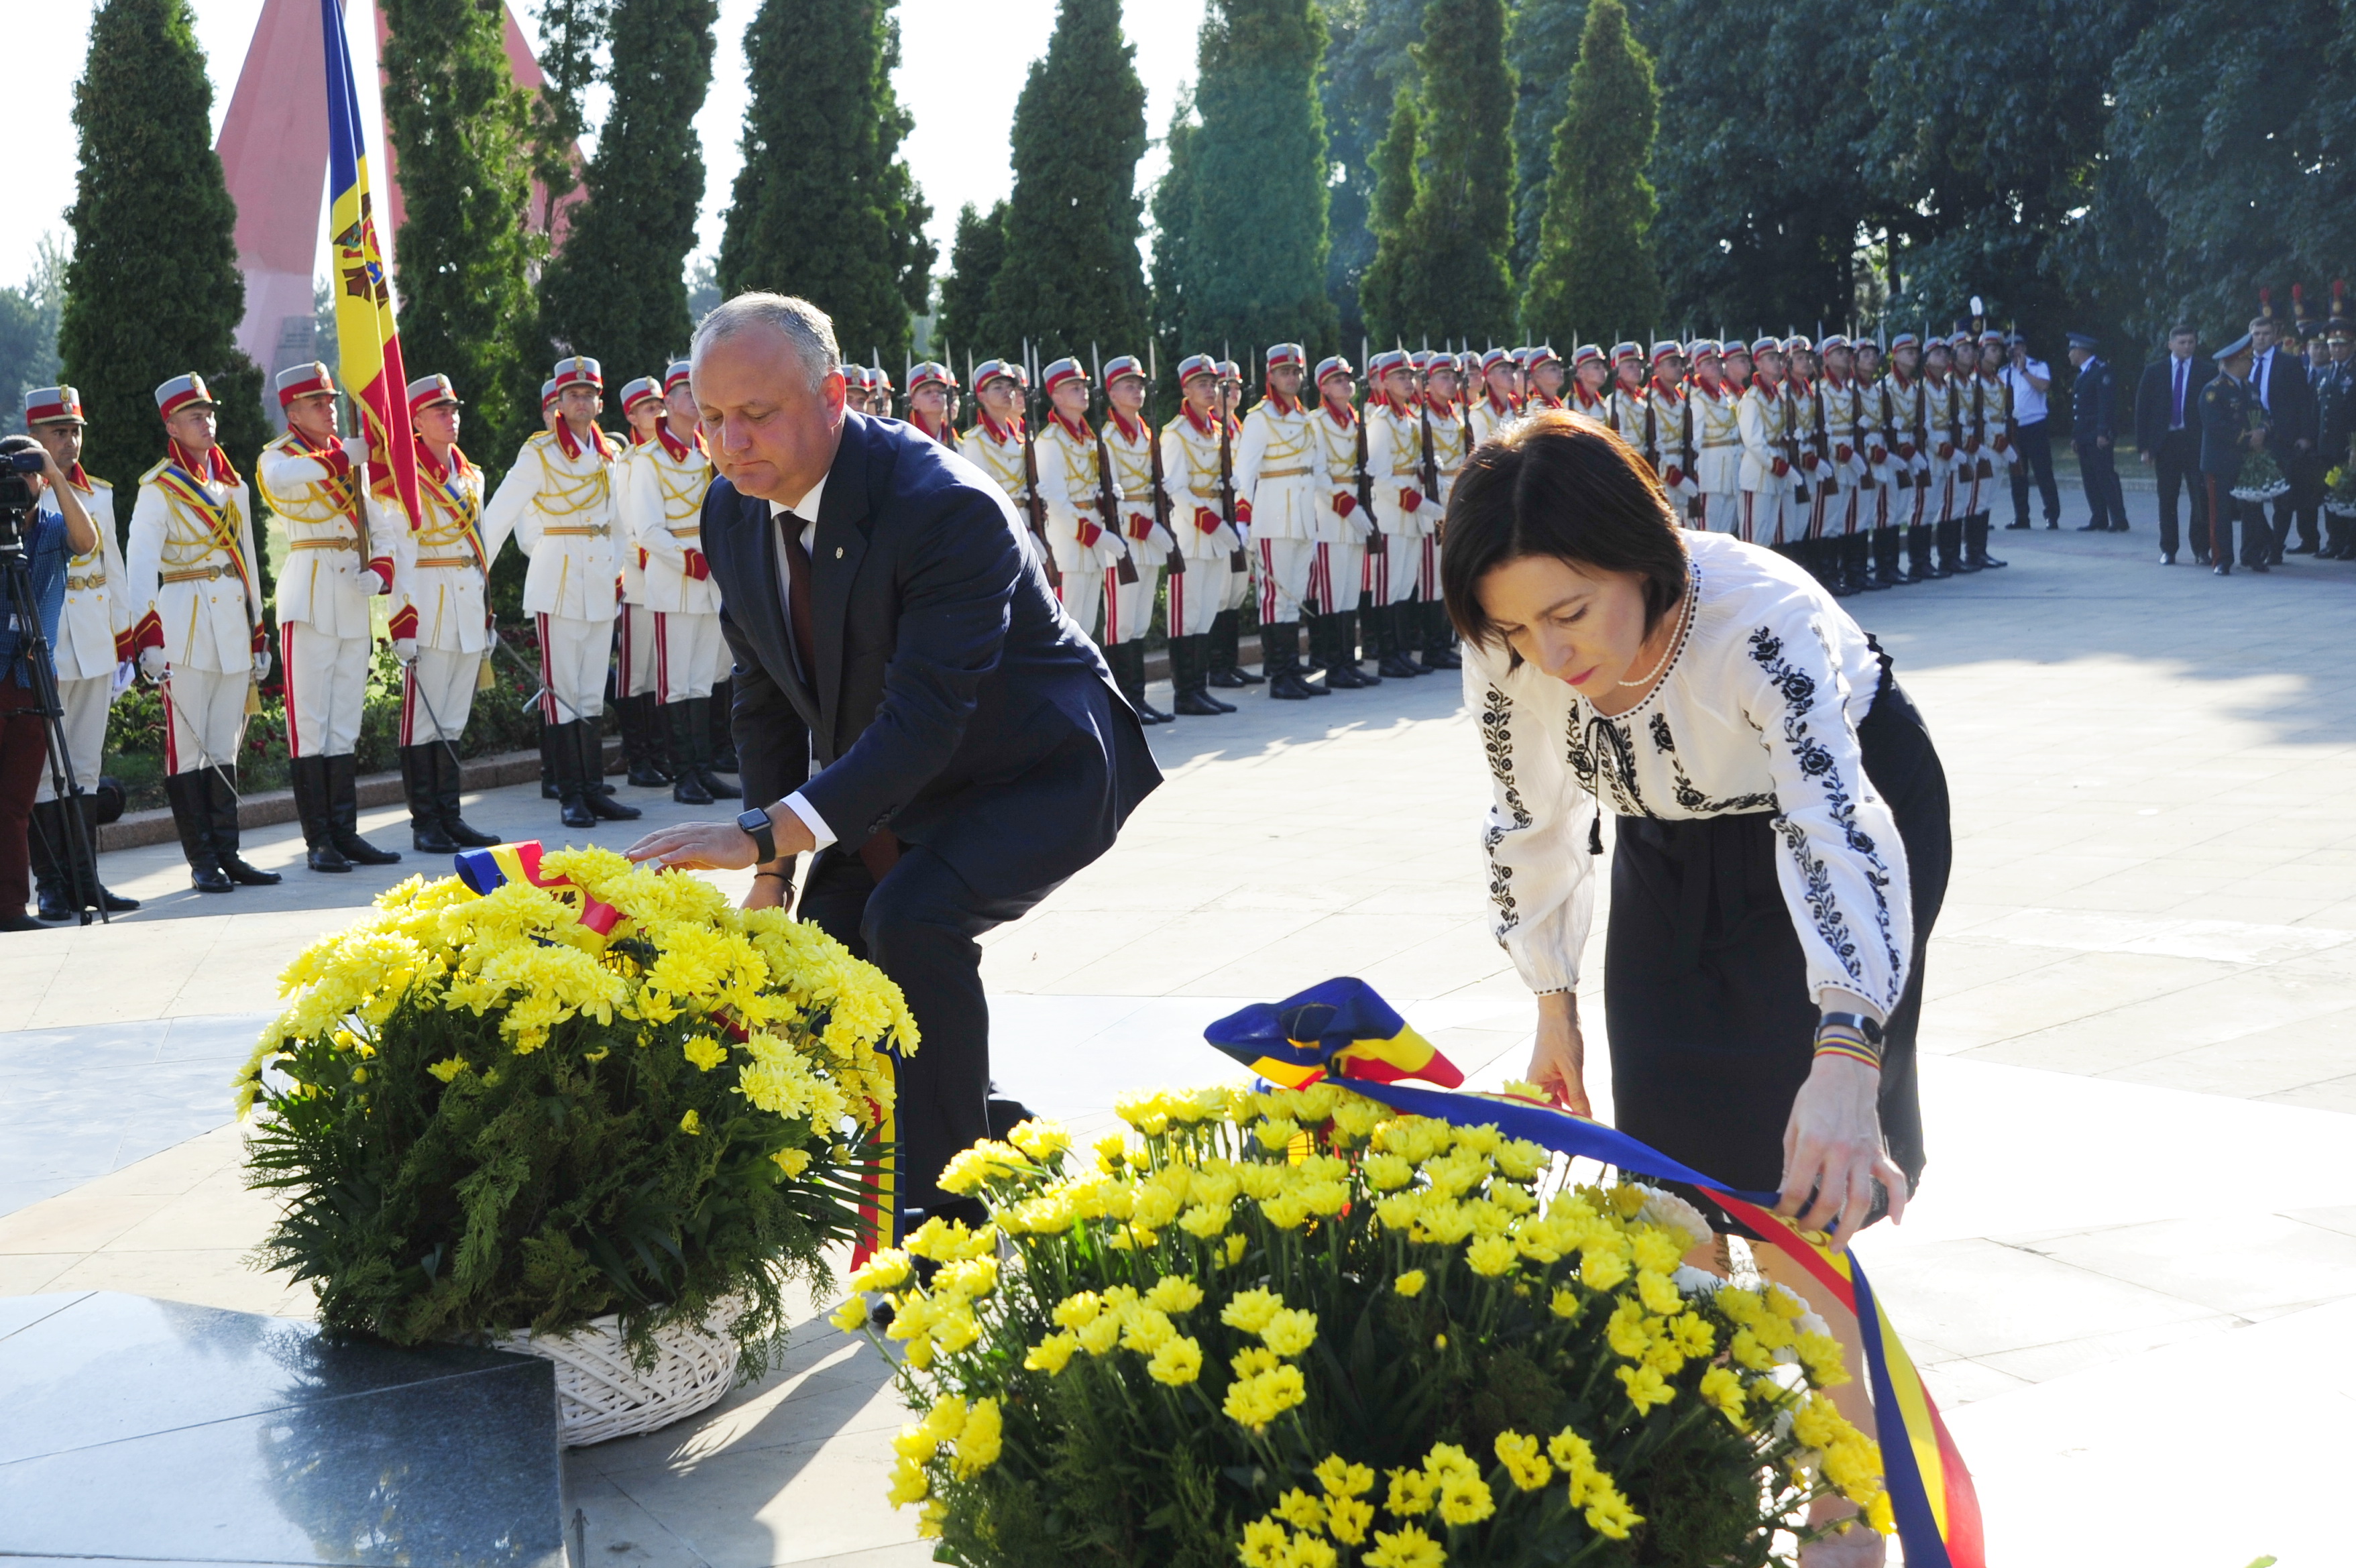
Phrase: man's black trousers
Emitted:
{"points": [[2177, 461], [2035, 444], [2106, 502], [920, 926]]}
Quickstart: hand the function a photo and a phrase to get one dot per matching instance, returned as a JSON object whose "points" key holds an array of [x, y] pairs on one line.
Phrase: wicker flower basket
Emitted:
{"points": [[600, 1394]]}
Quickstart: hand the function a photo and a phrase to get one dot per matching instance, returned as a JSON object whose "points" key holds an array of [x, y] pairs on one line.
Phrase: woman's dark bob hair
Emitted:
{"points": [[1556, 484]]}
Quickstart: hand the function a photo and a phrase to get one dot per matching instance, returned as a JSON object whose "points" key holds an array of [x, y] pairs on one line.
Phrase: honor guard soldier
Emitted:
{"points": [[2336, 419], [1669, 429], [440, 620], [1805, 494], [932, 401], [558, 500], [1130, 452], [1736, 367], [1623, 401], [879, 393], [1403, 515], [1192, 444], [1590, 374], [198, 624], [1279, 465], [1447, 444], [1542, 372], [1902, 404], [1766, 470], [994, 443], [1939, 449], [93, 654], [1226, 627], [1992, 400], [1847, 522], [1087, 553], [637, 655], [1884, 495], [1498, 401], [1717, 441], [1344, 524], [662, 514], [339, 554]]}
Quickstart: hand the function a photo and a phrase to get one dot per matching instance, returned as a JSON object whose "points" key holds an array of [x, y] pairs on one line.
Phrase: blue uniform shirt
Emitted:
{"points": [[2224, 416], [45, 556], [2094, 402]]}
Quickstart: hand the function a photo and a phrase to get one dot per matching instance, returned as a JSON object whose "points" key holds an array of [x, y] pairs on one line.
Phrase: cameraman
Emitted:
{"points": [[57, 529]]}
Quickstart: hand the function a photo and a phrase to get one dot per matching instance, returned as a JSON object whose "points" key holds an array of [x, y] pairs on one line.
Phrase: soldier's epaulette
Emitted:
{"points": [[97, 484], [156, 472]]}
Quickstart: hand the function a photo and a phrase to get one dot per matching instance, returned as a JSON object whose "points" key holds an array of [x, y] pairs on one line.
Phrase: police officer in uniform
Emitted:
{"points": [[2094, 427], [440, 622], [558, 500], [199, 627], [93, 654], [341, 543]]}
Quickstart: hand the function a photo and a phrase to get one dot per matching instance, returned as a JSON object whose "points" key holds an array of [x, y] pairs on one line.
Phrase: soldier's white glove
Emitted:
{"points": [[261, 667], [1111, 549], [124, 673], [153, 664], [356, 449], [405, 650]]}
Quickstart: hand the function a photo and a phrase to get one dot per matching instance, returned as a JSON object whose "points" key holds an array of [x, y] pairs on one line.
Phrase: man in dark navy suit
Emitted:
{"points": [[2168, 432], [911, 701]]}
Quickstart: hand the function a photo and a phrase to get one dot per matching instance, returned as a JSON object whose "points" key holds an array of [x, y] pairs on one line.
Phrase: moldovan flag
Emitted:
{"points": [[368, 343]]}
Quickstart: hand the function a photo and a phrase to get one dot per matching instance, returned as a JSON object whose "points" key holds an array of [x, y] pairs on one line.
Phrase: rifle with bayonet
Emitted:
{"points": [[1376, 544], [1429, 473], [1034, 504], [1237, 561], [1107, 497], [1162, 498]]}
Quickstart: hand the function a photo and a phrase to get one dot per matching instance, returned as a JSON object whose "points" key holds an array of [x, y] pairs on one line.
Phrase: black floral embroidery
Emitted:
{"points": [[1688, 795], [1497, 741], [1602, 752], [1815, 760]]}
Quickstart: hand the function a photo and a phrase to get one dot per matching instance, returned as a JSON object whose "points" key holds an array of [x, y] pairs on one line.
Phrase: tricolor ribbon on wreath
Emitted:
{"points": [[1342, 1029]]}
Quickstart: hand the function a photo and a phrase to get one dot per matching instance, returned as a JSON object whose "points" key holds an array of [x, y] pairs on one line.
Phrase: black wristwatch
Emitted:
{"points": [[1864, 1025], [765, 839]]}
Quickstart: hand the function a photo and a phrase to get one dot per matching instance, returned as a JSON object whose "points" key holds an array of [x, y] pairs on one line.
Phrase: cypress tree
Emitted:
{"points": [[1173, 236], [824, 206], [1260, 179], [570, 32], [1595, 254], [152, 290], [618, 289], [975, 256], [1367, 58], [1543, 50], [1382, 292], [462, 259], [1070, 276]]}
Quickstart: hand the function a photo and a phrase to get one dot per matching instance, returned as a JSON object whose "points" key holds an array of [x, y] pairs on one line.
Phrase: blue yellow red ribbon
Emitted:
{"points": [[1344, 1030], [486, 870]]}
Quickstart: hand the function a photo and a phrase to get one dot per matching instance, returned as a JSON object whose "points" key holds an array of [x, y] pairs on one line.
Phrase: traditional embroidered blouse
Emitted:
{"points": [[1757, 713]]}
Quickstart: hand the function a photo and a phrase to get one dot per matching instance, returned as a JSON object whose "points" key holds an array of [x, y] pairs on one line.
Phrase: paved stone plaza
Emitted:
{"points": [[2136, 1237]]}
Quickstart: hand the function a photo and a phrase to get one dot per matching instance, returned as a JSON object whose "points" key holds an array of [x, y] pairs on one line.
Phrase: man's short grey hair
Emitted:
{"points": [[805, 325]]}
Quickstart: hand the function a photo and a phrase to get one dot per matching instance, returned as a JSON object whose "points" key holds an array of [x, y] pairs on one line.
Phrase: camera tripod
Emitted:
{"points": [[78, 855]]}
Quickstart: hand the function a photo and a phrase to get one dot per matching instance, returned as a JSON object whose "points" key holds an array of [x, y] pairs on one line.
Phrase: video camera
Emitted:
{"points": [[17, 496]]}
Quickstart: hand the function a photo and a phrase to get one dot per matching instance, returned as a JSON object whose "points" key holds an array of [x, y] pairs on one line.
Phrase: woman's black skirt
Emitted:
{"points": [[1705, 988]]}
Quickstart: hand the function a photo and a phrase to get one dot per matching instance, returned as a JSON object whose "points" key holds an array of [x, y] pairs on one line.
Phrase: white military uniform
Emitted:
{"points": [[1806, 519], [558, 500], [1766, 473], [638, 653], [442, 604], [1905, 434], [340, 546], [1085, 554], [1344, 528], [1883, 506], [1190, 467], [1939, 409], [999, 454], [190, 575], [662, 507], [93, 638], [1279, 471], [1490, 416], [1128, 606], [1669, 410], [1718, 458], [1628, 416], [1395, 461], [1847, 469]]}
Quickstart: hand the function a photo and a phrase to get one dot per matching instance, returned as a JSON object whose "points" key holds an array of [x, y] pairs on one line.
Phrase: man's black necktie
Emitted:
{"points": [[797, 596]]}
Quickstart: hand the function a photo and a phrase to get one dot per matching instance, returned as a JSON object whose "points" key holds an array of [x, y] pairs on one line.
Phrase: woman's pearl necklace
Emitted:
{"points": [[1685, 612]]}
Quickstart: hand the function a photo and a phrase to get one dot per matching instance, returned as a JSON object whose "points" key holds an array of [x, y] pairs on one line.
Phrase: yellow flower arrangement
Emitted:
{"points": [[1254, 1327], [547, 1102]]}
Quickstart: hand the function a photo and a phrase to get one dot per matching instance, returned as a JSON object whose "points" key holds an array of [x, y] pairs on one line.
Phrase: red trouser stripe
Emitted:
{"points": [[1267, 582], [547, 677], [286, 676], [408, 703], [662, 657]]}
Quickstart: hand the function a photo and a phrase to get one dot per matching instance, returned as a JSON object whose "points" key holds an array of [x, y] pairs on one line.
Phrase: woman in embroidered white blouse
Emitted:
{"points": [[1781, 845]]}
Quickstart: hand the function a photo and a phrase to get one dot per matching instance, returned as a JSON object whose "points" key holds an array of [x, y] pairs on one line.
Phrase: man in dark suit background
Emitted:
{"points": [[911, 701], [2167, 434], [2094, 427], [2278, 380]]}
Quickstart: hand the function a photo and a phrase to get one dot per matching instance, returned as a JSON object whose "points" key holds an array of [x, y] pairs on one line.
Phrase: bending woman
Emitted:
{"points": [[1781, 848]]}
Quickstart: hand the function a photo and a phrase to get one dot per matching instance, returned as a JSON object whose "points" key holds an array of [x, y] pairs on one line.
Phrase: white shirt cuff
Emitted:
{"points": [[810, 820]]}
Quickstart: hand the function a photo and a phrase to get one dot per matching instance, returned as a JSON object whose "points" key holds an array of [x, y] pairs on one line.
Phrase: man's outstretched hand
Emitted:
{"points": [[720, 846]]}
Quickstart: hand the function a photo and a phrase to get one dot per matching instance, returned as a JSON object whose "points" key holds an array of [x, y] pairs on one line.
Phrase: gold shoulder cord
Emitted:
{"points": [[682, 498], [565, 495], [325, 501]]}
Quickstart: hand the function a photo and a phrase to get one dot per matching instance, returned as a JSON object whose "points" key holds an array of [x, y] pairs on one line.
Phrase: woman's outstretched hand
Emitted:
{"points": [[1558, 1055], [1833, 1149]]}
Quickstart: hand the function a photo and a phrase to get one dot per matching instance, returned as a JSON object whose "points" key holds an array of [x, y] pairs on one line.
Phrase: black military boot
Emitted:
{"points": [[427, 835], [1977, 527], [1303, 667], [590, 737], [1279, 652], [1342, 661], [572, 783], [449, 780], [1224, 643], [1133, 653], [1390, 646], [1950, 541], [344, 814], [686, 737], [549, 789], [1314, 623], [1857, 554], [1918, 554], [1437, 654], [642, 741], [192, 815], [1198, 658], [1187, 677], [309, 777], [115, 903], [719, 722], [707, 761], [220, 800]]}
